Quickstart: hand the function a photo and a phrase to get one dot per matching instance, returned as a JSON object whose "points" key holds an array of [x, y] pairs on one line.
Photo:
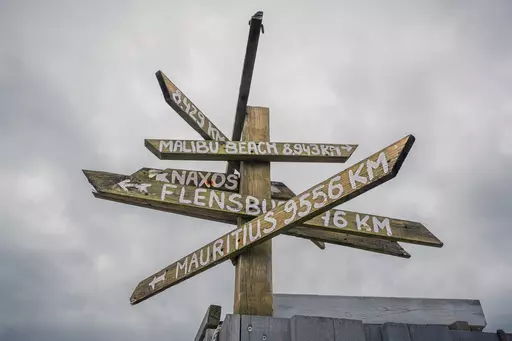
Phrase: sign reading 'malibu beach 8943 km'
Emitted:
{"points": [[245, 196]]}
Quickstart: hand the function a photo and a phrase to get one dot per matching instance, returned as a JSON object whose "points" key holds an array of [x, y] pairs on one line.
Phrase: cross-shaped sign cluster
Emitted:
{"points": [[216, 196]]}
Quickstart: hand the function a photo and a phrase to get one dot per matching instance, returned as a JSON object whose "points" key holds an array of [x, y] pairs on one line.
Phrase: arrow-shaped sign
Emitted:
{"points": [[227, 207], [335, 190], [382, 246], [249, 151], [332, 235]]}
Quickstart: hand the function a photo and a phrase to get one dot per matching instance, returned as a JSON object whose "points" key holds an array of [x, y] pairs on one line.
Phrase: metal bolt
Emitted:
{"points": [[249, 328], [264, 337]]}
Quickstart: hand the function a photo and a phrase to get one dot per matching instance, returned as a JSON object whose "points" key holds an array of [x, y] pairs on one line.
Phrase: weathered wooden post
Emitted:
{"points": [[260, 208], [253, 274]]}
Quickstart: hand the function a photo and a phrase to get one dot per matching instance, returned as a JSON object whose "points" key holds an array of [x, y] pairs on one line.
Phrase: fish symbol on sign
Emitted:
{"points": [[155, 280], [125, 184]]}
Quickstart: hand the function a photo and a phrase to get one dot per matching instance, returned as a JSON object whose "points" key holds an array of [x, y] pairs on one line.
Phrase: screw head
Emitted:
{"points": [[264, 338], [249, 328]]}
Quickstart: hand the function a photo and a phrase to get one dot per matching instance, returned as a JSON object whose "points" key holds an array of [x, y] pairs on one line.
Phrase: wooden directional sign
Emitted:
{"points": [[191, 114], [342, 187], [204, 179], [249, 151], [188, 110], [127, 190], [228, 207], [382, 246]]}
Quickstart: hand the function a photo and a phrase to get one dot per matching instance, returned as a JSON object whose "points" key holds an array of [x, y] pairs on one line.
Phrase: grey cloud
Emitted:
{"points": [[77, 90]]}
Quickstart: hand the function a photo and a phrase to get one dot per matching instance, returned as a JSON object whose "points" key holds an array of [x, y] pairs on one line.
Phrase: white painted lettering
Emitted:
{"points": [[217, 248], [165, 145], [264, 205], [335, 191], [371, 165], [219, 200], [193, 261], [251, 148], [384, 225], [286, 149], [204, 262], [258, 231], [200, 121], [318, 193], [362, 223], [198, 197], [227, 244], [338, 151], [324, 149], [252, 205], [231, 147], [245, 235], [178, 146], [297, 148], [183, 267], [314, 149], [272, 148], [216, 181], [304, 203], [338, 220], [165, 191], [185, 149], [192, 178], [261, 151], [234, 198], [326, 218], [201, 147], [236, 234], [182, 197], [353, 177], [269, 218], [214, 147], [242, 147], [306, 149], [202, 178], [290, 207], [233, 181], [176, 177]]}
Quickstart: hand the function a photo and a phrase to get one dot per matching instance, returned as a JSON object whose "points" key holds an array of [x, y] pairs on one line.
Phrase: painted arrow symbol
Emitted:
{"points": [[155, 280], [125, 184], [161, 177], [347, 147]]}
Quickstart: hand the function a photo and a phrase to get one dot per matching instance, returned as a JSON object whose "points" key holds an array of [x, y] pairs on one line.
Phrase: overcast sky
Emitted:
{"points": [[77, 90]]}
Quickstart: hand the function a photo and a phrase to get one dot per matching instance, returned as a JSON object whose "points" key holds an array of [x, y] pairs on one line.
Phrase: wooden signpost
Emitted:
{"points": [[260, 208], [337, 189]]}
